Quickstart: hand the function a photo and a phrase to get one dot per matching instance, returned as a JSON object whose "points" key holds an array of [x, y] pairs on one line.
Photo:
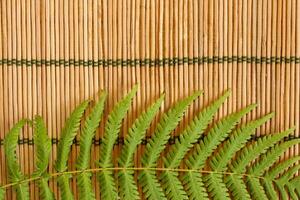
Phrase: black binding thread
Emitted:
{"points": [[152, 62], [120, 140]]}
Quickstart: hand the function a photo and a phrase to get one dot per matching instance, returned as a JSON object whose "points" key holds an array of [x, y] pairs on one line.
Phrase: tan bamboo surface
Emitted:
{"points": [[56, 53]]}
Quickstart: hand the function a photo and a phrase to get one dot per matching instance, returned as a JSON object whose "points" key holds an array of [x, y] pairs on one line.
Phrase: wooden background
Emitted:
{"points": [[55, 53]]}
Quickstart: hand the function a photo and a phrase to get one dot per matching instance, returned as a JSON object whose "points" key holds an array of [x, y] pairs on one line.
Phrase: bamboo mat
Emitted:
{"points": [[56, 53]]}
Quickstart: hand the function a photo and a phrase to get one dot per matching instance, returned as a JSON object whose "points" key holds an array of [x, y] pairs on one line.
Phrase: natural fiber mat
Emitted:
{"points": [[54, 54]]}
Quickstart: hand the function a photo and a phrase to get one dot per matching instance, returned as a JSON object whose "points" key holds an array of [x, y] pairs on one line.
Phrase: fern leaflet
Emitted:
{"points": [[86, 139], [112, 129], [161, 135], [14, 172], [128, 188], [42, 154], [67, 136]]}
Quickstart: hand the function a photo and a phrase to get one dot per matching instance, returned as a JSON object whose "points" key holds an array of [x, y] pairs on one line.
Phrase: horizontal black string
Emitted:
{"points": [[150, 62], [120, 140]]}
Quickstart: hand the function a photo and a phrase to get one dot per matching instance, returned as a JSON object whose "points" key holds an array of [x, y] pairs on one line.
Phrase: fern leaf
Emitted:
{"points": [[215, 186], [210, 142], [172, 186], [83, 160], [112, 129], [42, 154], [249, 153], [256, 189], [194, 186], [168, 123], [128, 188], [279, 168], [296, 185], [220, 160], [2, 193], [269, 189], [67, 136], [42, 145], [107, 185], [281, 190], [88, 132], [270, 157], [192, 133], [137, 133], [273, 173], [84, 184], [291, 191], [150, 186], [237, 187], [252, 151], [215, 136], [45, 192], [14, 172], [235, 142], [284, 178], [65, 190]]}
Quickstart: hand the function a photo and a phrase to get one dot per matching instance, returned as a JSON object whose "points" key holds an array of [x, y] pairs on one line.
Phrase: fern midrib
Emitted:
{"points": [[94, 170]]}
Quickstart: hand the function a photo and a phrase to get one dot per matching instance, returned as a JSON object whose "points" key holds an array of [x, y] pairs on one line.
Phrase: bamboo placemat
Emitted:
{"points": [[56, 53]]}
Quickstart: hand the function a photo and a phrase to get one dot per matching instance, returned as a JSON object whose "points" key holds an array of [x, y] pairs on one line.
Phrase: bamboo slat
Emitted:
{"points": [[54, 54]]}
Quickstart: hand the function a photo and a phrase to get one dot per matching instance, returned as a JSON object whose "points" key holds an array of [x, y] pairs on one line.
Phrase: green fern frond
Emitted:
{"points": [[112, 129], [42, 145], [42, 155], [209, 143], [259, 147], [194, 186], [67, 136], [137, 132], [269, 189], [235, 142], [284, 179], [83, 160], [256, 188], [292, 192], [168, 123], [279, 168], [220, 160], [45, 192], [151, 186], [88, 132], [251, 152], [128, 188], [214, 137], [224, 164], [275, 171], [84, 184], [2, 193], [192, 133], [172, 186], [64, 186], [215, 186], [270, 157], [295, 183], [14, 172], [64, 146], [237, 187]]}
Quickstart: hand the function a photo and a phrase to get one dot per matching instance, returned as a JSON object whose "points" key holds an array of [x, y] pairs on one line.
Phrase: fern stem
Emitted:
{"points": [[94, 170]]}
